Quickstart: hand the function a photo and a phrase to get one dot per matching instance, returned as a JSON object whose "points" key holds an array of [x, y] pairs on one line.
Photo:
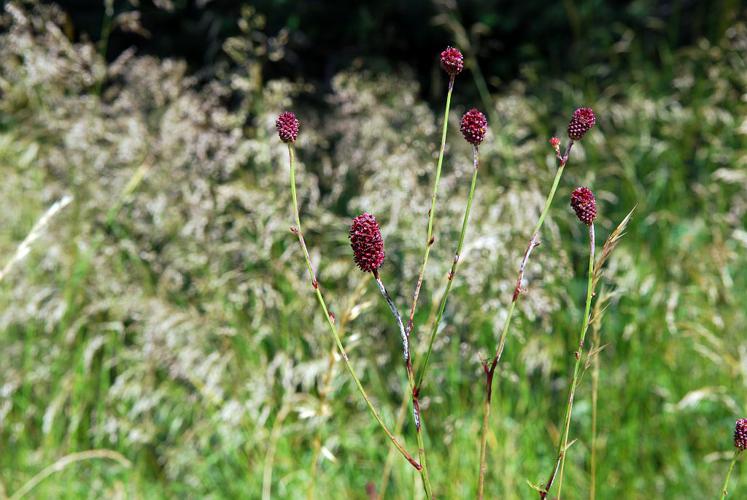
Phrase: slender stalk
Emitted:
{"points": [[411, 381], [432, 211], [454, 265], [401, 419], [563, 444], [484, 434], [490, 370], [330, 322], [325, 388], [594, 406], [728, 474]]}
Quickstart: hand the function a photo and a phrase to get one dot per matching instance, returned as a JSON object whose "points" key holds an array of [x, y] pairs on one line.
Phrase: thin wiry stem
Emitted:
{"points": [[563, 444], [411, 381], [489, 369], [325, 387], [728, 474], [432, 211], [330, 322], [454, 265], [397, 316], [595, 339], [401, 418]]}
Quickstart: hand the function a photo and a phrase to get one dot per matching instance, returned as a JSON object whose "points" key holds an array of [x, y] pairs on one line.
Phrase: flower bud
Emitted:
{"points": [[581, 122], [740, 434], [367, 243], [287, 126], [584, 204], [474, 126], [452, 61]]}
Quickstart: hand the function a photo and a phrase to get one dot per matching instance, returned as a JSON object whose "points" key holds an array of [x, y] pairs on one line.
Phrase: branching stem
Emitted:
{"points": [[411, 381], [454, 265], [490, 367], [432, 211], [329, 318], [563, 444]]}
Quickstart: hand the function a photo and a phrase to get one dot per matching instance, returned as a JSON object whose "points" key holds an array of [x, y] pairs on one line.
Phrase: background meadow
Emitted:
{"points": [[164, 312]]}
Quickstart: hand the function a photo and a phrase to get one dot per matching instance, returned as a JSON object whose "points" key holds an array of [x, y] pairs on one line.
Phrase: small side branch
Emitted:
{"points": [[491, 367]]}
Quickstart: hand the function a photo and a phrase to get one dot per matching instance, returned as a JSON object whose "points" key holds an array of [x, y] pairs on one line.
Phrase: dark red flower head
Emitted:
{"points": [[367, 243], [452, 61], [583, 202], [581, 122], [740, 434], [474, 126], [287, 125]]}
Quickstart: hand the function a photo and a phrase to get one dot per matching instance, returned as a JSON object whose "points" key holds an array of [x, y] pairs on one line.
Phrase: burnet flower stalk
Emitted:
{"points": [[584, 204], [581, 122], [368, 254], [473, 126], [452, 62], [740, 444], [368, 249], [287, 126]]}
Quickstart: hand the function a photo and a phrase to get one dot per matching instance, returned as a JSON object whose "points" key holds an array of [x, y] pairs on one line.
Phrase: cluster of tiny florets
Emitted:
{"points": [[584, 204], [581, 122], [367, 243], [287, 126], [452, 61], [740, 434], [474, 126]]}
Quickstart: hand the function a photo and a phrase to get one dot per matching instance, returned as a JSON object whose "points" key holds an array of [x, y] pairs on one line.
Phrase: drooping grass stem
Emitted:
{"points": [[563, 444], [432, 211], [333, 330], [489, 368]]}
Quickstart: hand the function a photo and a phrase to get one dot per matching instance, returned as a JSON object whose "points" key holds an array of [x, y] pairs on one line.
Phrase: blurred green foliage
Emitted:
{"points": [[165, 313]]}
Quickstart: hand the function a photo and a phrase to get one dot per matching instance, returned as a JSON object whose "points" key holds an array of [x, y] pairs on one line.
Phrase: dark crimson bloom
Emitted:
{"points": [[452, 61], [474, 126], [581, 122], [367, 243], [583, 202], [740, 434], [287, 126]]}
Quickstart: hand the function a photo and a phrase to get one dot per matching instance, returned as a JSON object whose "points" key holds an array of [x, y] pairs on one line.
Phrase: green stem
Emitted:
{"points": [[411, 381], [484, 439], [452, 272], [728, 474], [432, 211], [333, 330], [563, 445], [594, 413], [490, 370]]}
